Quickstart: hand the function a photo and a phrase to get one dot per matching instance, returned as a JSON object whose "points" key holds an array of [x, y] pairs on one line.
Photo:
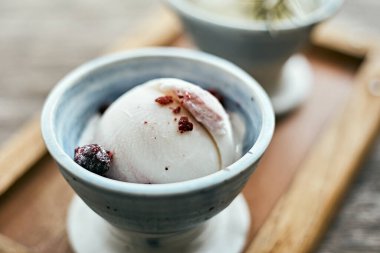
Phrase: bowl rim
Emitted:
{"points": [[185, 8], [157, 190]]}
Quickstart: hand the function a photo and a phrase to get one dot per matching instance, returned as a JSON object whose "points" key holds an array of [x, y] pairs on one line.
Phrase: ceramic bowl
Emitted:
{"points": [[156, 208]]}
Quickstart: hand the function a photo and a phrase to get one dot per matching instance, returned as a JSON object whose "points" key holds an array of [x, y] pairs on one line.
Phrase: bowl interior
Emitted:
{"points": [[82, 98]]}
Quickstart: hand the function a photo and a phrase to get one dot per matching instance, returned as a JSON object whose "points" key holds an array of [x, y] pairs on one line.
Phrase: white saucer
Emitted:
{"points": [[224, 233], [295, 85]]}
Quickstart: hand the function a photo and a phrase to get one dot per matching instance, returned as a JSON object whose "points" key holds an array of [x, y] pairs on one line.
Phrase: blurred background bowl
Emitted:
{"points": [[259, 47]]}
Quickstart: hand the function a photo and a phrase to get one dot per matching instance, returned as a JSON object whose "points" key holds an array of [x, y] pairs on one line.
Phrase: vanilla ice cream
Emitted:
{"points": [[166, 130]]}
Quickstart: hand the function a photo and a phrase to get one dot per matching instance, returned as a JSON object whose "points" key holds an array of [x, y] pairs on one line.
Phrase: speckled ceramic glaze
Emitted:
{"points": [[160, 208], [251, 44]]}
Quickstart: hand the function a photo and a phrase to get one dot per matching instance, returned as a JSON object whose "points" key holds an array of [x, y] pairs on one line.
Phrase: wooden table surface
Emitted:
{"points": [[40, 41]]}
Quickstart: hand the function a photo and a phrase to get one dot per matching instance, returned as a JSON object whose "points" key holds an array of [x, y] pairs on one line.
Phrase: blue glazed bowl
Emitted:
{"points": [[159, 208], [249, 43]]}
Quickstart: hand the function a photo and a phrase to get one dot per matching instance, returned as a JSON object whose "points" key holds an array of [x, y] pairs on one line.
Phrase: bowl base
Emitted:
{"points": [[295, 85], [224, 233]]}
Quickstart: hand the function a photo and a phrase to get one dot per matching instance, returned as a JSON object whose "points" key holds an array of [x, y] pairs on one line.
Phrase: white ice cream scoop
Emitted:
{"points": [[166, 130]]}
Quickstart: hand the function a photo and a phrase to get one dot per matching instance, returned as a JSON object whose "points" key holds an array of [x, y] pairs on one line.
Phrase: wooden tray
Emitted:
{"points": [[297, 132], [33, 211]]}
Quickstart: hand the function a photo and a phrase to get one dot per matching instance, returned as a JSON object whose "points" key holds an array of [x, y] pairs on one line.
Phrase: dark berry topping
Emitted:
{"points": [[217, 95], [164, 100], [177, 110], [94, 158], [184, 125]]}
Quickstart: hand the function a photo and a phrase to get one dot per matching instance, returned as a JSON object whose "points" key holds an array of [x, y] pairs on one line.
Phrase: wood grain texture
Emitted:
{"points": [[26, 147], [303, 212], [9, 246], [161, 29], [33, 212], [354, 31], [337, 36], [356, 227], [42, 41], [296, 133], [20, 152]]}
